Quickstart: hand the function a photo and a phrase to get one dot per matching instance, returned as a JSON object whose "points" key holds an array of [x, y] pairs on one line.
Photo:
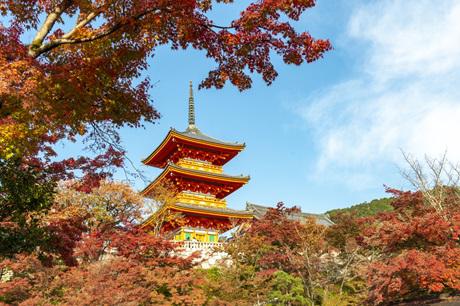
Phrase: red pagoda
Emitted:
{"points": [[192, 162]]}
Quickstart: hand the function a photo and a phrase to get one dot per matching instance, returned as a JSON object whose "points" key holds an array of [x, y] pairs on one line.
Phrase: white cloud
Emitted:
{"points": [[417, 38], [405, 96]]}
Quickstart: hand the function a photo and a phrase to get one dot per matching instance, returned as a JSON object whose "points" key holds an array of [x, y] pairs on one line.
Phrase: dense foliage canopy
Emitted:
{"points": [[76, 241], [74, 69], [411, 252], [365, 209], [81, 74]]}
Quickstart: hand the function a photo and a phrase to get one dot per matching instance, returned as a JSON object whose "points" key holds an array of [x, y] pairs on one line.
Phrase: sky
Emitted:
{"points": [[328, 134]]}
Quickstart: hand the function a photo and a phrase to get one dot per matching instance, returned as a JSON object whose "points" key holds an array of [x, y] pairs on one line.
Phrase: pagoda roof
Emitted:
{"points": [[204, 175], [259, 211], [204, 211], [195, 133], [191, 136], [214, 211]]}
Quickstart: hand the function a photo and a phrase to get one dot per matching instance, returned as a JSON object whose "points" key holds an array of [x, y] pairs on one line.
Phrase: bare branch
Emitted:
{"points": [[444, 179], [416, 176]]}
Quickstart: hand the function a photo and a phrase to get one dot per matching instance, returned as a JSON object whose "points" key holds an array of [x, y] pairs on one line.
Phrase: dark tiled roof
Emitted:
{"points": [[214, 209], [207, 173], [204, 209], [208, 176], [197, 134], [260, 210]]}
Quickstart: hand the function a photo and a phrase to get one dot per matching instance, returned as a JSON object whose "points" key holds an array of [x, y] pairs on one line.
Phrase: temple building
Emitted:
{"points": [[260, 210], [192, 164]]}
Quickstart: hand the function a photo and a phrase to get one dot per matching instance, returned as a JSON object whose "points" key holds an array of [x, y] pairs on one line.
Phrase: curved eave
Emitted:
{"points": [[216, 143], [174, 134], [200, 211], [196, 174], [204, 211]]}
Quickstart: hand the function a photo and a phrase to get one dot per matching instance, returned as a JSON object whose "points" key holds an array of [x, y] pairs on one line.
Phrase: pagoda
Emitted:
{"points": [[192, 163]]}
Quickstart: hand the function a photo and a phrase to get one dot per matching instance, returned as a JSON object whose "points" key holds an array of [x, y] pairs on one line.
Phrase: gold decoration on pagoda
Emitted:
{"points": [[193, 163], [200, 165]]}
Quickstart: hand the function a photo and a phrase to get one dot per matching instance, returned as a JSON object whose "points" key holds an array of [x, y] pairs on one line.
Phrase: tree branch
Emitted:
{"points": [[221, 27], [81, 24], [46, 27], [37, 47], [67, 39]]}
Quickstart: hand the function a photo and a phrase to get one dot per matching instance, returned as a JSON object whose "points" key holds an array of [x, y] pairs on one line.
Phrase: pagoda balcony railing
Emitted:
{"points": [[199, 245], [200, 199], [195, 164]]}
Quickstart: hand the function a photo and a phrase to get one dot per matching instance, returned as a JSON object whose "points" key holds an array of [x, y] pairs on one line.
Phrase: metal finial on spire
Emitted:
{"points": [[191, 108]]}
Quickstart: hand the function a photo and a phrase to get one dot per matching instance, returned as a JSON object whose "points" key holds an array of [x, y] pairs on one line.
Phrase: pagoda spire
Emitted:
{"points": [[191, 108]]}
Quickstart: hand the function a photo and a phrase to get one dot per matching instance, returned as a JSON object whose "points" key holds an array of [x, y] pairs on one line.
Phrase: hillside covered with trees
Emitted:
{"points": [[365, 209]]}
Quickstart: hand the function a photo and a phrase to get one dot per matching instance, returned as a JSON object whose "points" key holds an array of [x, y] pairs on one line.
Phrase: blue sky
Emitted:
{"points": [[328, 134]]}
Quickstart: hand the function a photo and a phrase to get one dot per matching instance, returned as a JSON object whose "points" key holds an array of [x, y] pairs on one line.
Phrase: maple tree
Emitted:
{"points": [[409, 252], [80, 74], [122, 279], [94, 240], [80, 77], [69, 214], [419, 241], [419, 249], [273, 257], [84, 221], [348, 259], [107, 206]]}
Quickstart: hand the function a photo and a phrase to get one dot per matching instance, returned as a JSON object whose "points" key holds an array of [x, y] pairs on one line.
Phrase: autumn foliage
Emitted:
{"points": [[94, 248], [419, 247], [94, 244], [281, 259], [79, 75], [72, 70], [69, 235]]}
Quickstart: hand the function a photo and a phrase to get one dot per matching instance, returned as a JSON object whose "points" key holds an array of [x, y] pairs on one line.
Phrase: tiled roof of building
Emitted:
{"points": [[195, 133], [237, 179], [259, 211], [207, 173]]}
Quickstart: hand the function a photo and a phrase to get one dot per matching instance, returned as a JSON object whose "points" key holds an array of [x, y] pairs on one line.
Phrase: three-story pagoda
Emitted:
{"points": [[193, 163]]}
